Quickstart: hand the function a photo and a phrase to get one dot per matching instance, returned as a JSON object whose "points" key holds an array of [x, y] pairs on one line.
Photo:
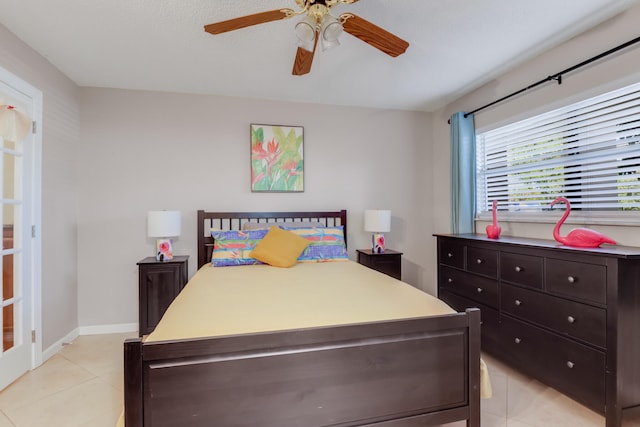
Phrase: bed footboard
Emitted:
{"points": [[402, 373]]}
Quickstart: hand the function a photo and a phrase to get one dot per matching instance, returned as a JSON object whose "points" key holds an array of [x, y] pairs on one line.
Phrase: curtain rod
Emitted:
{"points": [[558, 76]]}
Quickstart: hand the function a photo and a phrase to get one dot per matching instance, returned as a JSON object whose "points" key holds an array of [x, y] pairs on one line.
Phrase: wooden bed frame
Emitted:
{"points": [[400, 373]]}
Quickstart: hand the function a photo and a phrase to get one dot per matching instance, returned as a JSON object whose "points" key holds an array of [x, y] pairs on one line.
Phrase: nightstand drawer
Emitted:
{"points": [[570, 318], [521, 269], [389, 262], [387, 265], [586, 282], [476, 288]]}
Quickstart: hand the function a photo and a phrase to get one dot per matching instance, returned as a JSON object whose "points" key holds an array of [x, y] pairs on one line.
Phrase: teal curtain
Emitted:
{"points": [[463, 173]]}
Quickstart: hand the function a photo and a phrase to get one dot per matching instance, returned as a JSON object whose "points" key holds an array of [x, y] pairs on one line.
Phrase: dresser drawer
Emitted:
{"points": [[569, 318], [587, 282], [521, 269], [489, 323], [476, 288], [572, 368], [482, 261], [451, 252]]}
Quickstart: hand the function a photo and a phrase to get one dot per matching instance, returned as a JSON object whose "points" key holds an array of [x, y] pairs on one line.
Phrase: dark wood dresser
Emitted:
{"points": [[569, 317]]}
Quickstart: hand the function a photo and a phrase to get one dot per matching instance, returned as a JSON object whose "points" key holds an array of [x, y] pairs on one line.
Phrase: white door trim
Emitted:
{"points": [[36, 217]]}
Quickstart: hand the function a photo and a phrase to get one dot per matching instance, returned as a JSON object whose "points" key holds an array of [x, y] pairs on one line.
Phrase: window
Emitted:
{"points": [[588, 152]]}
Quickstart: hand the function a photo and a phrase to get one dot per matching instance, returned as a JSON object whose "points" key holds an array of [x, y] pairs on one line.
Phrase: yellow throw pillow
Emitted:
{"points": [[280, 248]]}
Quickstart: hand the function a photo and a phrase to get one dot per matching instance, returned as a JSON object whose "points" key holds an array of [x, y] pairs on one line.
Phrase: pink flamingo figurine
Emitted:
{"points": [[578, 237], [494, 230]]}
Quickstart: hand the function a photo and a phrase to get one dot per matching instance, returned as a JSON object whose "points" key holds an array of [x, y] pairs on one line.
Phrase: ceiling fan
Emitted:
{"points": [[318, 24]]}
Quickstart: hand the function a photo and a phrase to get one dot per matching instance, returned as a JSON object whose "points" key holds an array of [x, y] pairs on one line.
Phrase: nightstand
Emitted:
{"points": [[159, 282], [389, 262]]}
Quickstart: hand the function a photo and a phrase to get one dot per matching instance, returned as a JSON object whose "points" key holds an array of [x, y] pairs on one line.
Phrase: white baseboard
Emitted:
{"points": [[119, 328], [87, 330], [57, 346]]}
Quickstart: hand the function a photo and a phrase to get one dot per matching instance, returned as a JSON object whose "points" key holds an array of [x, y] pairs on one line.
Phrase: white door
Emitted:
{"points": [[19, 322]]}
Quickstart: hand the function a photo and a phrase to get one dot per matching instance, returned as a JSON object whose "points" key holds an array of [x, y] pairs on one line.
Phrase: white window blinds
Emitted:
{"points": [[588, 152]]}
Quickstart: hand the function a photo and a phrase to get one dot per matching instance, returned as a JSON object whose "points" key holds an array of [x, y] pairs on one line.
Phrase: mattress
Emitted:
{"points": [[259, 298]]}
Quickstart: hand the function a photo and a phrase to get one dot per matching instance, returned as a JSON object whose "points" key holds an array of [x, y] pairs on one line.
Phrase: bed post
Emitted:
{"points": [[474, 367], [201, 252], [343, 222], [133, 399]]}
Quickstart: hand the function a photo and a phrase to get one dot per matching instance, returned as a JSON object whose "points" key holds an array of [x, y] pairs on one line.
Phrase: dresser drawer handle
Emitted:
{"points": [[571, 319], [571, 279], [478, 261], [449, 280], [518, 302], [449, 254], [518, 269], [479, 290], [570, 364], [517, 340]]}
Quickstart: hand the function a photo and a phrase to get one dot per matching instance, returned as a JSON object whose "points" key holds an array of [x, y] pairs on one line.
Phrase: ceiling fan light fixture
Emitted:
{"points": [[306, 33], [330, 30], [326, 45]]}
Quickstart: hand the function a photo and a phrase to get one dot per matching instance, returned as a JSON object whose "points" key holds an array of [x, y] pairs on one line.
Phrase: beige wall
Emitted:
{"points": [[145, 151], [610, 73], [60, 143]]}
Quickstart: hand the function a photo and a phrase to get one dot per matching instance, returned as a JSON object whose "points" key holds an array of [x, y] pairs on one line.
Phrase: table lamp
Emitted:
{"points": [[377, 222], [163, 225]]}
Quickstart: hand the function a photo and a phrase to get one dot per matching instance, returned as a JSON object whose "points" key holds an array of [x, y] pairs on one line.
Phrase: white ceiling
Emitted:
{"points": [[455, 46]]}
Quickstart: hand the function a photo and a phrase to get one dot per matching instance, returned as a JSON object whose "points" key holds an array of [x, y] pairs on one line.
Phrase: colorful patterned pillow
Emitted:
{"points": [[327, 244], [233, 247]]}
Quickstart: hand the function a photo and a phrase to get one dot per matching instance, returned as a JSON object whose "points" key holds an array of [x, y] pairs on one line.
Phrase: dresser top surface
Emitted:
{"points": [[616, 251]]}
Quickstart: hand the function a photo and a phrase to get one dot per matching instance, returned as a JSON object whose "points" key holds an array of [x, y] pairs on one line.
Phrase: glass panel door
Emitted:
{"points": [[16, 355]]}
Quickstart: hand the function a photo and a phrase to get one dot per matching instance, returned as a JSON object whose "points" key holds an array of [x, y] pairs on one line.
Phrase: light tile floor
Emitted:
{"points": [[82, 386]]}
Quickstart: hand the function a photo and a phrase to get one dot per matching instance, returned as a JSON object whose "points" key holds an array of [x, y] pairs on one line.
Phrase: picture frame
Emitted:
{"points": [[277, 158]]}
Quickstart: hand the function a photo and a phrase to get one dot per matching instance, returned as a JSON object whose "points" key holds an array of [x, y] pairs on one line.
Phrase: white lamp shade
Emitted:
{"points": [[377, 221], [163, 223]]}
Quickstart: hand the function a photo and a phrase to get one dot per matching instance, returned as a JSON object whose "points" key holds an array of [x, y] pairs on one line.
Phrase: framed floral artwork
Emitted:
{"points": [[277, 160]]}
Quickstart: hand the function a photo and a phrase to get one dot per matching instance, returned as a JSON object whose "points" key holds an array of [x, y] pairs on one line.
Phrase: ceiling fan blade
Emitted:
{"points": [[372, 34], [247, 21], [304, 59]]}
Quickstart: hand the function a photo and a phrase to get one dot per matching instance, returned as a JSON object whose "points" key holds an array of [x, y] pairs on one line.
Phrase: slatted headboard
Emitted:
{"points": [[235, 221]]}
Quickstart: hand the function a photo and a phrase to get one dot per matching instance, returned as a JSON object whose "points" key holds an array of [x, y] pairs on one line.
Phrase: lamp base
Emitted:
{"points": [[377, 243], [164, 252]]}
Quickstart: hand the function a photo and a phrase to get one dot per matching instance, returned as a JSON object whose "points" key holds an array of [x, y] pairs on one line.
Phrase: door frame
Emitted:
{"points": [[35, 279]]}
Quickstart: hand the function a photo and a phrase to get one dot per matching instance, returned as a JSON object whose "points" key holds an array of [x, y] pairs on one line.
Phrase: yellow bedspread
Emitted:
{"points": [[257, 298]]}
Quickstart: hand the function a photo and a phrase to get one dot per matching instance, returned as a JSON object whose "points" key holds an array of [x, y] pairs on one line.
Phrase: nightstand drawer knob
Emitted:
{"points": [[479, 290], [518, 302], [449, 254], [478, 261], [449, 280], [571, 319], [571, 279], [570, 364], [517, 340], [518, 269]]}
